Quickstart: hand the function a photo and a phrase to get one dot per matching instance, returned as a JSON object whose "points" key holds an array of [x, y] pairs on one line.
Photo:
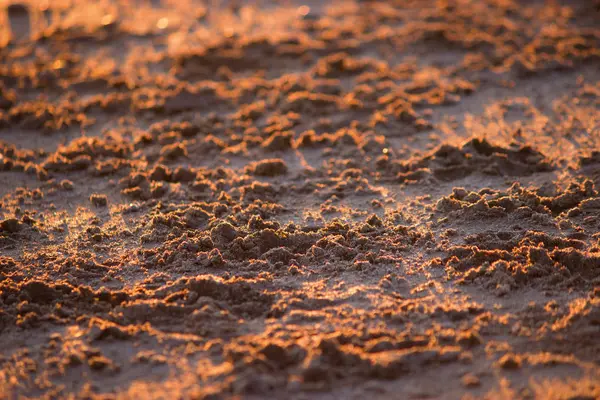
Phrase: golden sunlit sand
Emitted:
{"points": [[297, 200]]}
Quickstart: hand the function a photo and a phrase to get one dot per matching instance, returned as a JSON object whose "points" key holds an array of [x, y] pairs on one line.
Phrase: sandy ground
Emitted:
{"points": [[295, 200]]}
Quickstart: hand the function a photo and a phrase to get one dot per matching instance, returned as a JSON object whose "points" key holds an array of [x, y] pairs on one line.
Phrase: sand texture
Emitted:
{"points": [[300, 200]]}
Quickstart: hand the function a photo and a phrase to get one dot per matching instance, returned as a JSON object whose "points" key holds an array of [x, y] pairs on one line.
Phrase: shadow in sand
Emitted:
{"points": [[19, 21]]}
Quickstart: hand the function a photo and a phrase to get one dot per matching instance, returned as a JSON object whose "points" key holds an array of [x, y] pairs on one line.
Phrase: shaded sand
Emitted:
{"points": [[297, 200]]}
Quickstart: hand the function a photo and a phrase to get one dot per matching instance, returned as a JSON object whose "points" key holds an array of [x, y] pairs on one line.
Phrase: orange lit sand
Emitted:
{"points": [[293, 200]]}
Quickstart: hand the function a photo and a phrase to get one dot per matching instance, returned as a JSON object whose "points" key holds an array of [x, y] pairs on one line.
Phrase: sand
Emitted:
{"points": [[294, 200]]}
